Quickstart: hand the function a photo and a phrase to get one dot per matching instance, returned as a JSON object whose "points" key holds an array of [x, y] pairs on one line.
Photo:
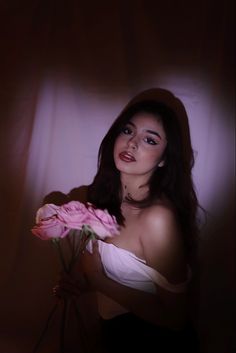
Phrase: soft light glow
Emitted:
{"points": [[69, 126]]}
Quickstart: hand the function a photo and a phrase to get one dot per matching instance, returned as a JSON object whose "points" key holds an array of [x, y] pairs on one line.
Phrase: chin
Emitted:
{"points": [[122, 168]]}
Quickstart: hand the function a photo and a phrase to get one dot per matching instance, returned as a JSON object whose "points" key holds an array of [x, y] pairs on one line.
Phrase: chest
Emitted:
{"points": [[130, 237]]}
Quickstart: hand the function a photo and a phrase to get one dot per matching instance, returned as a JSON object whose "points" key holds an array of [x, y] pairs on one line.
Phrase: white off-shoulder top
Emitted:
{"points": [[126, 268]]}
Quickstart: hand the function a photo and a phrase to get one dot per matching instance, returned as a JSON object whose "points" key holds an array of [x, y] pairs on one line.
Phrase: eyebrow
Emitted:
{"points": [[154, 133], [149, 131]]}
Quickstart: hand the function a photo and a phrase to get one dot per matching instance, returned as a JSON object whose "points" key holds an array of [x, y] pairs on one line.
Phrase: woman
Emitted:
{"points": [[142, 275]]}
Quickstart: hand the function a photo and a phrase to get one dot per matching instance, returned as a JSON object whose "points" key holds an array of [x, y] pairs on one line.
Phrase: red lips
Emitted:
{"points": [[127, 157]]}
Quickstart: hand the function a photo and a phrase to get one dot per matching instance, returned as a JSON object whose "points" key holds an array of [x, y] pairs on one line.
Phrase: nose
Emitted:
{"points": [[133, 143]]}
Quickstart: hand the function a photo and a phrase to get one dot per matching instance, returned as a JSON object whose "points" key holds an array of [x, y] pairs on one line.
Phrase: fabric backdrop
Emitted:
{"points": [[67, 70]]}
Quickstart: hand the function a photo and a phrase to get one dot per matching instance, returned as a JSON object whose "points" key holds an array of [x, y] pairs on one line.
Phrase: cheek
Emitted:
{"points": [[153, 158]]}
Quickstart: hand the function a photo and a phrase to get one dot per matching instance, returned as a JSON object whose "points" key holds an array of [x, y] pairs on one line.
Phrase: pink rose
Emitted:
{"points": [[102, 223], [50, 228], [46, 211], [56, 221], [74, 214]]}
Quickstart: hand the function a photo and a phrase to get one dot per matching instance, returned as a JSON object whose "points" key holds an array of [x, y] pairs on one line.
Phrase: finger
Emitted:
{"points": [[57, 292], [55, 289]]}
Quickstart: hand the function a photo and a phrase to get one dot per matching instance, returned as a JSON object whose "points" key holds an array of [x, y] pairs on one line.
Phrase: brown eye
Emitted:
{"points": [[126, 130], [150, 141]]}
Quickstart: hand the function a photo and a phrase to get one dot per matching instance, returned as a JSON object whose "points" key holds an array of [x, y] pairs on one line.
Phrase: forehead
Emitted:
{"points": [[147, 121]]}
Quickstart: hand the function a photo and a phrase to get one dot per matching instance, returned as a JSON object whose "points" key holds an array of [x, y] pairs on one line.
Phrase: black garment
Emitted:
{"points": [[128, 333]]}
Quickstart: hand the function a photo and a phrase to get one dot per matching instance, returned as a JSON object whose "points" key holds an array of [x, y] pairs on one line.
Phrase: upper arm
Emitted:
{"points": [[163, 244]]}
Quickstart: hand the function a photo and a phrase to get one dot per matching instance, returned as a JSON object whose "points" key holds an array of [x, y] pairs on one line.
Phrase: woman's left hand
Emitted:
{"points": [[92, 265]]}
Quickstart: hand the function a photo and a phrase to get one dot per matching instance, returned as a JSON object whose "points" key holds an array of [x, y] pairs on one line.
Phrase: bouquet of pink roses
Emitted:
{"points": [[78, 223], [74, 220]]}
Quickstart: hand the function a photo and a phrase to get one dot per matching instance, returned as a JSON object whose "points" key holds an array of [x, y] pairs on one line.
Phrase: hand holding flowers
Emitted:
{"points": [[78, 224]]}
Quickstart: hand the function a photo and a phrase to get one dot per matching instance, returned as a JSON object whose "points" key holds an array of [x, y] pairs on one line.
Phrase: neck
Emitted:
{"points": [[134, 188]]}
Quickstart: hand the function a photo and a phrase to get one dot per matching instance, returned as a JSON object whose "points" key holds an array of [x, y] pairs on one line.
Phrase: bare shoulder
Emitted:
{"points": [[161, 222], [159, 215], [162, 242]]}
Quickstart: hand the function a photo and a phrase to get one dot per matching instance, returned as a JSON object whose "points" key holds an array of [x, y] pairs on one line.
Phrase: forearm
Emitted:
{"points": [[147, 306]]}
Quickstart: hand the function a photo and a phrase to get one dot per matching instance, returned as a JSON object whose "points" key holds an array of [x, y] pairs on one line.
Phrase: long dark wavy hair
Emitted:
{"points": [[172, 181]]}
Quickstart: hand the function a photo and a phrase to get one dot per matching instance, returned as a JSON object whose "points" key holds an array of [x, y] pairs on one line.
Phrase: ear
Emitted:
{"points": [[161, 163]]}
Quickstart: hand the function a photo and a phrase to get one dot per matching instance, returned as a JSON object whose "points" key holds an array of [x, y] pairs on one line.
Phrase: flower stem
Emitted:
{"points": [[58, 245], [73, 248], [63, 325], [82, 330], [45, 328]]}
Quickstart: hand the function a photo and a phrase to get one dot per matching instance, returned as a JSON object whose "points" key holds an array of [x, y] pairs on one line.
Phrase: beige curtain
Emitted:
{"points": [[67, 70]]}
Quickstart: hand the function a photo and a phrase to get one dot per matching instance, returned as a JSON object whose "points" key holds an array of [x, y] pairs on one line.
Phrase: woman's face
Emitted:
{"points": [[140, 146]]}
